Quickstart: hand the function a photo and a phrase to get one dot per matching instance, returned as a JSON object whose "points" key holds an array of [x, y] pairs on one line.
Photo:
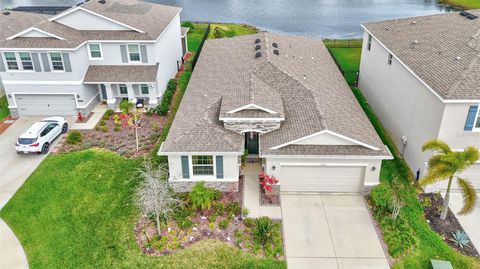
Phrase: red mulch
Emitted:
{"points": [[5, 123]]}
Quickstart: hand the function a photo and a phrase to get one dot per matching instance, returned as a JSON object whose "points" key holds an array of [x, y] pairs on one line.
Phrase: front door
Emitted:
{"points": [[251, 142], [103, 92]]}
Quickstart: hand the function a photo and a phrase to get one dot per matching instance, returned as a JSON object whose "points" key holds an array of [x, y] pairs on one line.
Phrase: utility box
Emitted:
{"points": [[438, 264]]}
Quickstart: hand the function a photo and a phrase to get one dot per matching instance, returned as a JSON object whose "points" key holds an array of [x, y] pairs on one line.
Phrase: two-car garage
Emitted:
{"points": [[46, 104]]}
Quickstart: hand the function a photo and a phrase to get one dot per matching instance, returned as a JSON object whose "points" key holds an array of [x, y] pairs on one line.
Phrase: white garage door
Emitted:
{"points": [[46, 104], [347, 179]]}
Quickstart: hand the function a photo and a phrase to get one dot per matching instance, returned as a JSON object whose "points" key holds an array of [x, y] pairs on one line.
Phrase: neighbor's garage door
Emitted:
{"points": [[296, 178], [45, 104]]}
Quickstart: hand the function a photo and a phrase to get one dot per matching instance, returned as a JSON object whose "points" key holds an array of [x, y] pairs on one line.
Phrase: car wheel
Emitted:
{"points": [[45, 148], [64, 128]]}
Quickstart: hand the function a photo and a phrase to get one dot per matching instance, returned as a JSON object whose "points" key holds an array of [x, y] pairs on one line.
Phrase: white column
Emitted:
{"points": [[152, 95], [131, 93], [110, 97]]}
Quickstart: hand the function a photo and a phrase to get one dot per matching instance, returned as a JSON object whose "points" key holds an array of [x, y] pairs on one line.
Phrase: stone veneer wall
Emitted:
{"points": [[258, 126], [221, 186]]}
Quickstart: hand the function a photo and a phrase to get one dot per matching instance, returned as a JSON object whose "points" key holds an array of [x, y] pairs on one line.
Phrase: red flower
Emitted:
{"points": [[267, 182]]}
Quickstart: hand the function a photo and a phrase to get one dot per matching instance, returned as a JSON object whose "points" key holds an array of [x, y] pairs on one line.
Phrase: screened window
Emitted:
{"points": [[95, 51], [11, 60], [202, 165], [26, 60], [144, 88], [134, 53], [57, 61], [123, 89], [390, 56], [369, 42]]}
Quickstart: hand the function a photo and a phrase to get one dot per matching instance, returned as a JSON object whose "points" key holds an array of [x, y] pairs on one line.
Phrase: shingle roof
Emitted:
{"points": [[121, 73], [150, 18], [314, 96], [443, 50]]}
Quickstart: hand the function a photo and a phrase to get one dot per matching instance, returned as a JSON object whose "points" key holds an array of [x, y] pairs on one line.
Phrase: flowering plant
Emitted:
{"points": [[267, 182]]}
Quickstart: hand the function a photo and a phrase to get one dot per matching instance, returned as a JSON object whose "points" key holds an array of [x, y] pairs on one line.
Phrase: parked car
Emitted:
{"points": [[39, 137]]}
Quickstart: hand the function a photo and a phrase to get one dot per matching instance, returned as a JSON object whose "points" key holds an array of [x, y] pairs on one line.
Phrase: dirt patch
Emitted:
{"points": [[432, 204], [121, 139], [270, 198], [5, 123]]}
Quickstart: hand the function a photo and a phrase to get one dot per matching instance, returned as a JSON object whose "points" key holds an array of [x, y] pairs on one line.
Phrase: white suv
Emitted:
{"points": [[40, 135]]}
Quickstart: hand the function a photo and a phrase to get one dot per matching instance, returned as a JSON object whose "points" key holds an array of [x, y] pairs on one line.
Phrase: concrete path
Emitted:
{"points": [[98, 112], [11, 254], [330, 231], [251, 194], [471, 222]]}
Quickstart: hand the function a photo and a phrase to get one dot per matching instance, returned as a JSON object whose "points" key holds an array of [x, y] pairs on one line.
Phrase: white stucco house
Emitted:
{"points": [[97, 51], [422, 77], [283, 99]]}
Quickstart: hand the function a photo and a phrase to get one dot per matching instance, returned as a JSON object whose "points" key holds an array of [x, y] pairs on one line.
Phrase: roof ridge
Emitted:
{"points": [[475, 63]]}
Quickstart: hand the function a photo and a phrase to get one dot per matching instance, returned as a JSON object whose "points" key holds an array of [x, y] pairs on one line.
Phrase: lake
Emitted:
{"points": [[318, 18]]}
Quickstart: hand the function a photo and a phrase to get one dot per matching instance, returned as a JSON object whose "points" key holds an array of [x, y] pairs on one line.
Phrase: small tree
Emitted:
{"points": [[126, 106], [447, 165], [153, 195], [133, 121]]}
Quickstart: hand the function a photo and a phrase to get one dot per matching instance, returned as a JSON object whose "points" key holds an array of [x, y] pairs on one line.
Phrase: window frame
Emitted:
{"points": [[369, 42], [212, 165], [138, 52], [52, 69], [90, 57], [120, 86], [390, 59], [141, 89], [21, 61], [477, 121], [7, 61]]}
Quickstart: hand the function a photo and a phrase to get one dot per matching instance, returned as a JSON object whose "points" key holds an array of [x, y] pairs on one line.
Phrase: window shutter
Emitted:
{"points": [[472, 114], [2, 66], [185, 167], [36, 62], [123, 51], [66, 62], [46, 65], [143, 52], [219, 166]]}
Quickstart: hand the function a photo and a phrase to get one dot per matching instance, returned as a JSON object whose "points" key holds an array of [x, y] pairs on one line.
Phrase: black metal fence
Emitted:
{"points": [[350, 76], [205, 36]]}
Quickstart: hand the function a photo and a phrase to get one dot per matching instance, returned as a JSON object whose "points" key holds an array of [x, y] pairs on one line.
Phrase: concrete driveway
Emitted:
{"points": [[330, 232]]}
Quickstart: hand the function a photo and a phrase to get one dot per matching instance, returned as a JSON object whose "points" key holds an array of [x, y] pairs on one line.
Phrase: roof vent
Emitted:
{"points": [[414, 22], [102, 1], [257, 47], [275, 45], [276, 52], [257, 41], [468, 15], [258, 55], [6, 13], [458, 58]]}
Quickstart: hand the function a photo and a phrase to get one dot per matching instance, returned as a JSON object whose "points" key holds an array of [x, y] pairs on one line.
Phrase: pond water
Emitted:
{"points": [[318, 18]]}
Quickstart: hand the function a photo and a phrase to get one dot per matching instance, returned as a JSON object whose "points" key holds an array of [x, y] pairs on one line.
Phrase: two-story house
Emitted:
{"points": [[422, 77], [105, 50]]}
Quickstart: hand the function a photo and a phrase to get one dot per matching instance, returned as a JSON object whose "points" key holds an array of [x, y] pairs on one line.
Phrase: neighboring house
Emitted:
{"points": [[422, 77], [283, 99], [105, 50]]}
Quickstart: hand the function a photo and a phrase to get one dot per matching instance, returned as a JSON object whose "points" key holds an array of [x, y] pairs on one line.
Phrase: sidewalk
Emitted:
{"points": [[12, 255], [251, 194], [98, 112]]}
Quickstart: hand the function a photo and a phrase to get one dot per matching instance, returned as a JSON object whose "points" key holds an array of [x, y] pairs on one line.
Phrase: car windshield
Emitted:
{"points": [[26, 141]]}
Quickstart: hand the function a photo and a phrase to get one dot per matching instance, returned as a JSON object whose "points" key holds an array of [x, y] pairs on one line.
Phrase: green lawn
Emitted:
{"points": [[349, 60], [396, 175], [219, 30], [75, 211], [466, 4], [4, 111]]}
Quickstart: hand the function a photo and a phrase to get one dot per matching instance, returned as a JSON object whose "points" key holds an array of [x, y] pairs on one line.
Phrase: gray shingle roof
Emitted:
{"points": [[446, 55], [121, 73], [314, 97], [150, 18]]}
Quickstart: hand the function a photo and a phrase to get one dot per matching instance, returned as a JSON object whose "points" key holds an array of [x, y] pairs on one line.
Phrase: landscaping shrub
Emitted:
{"points": [[188, 24], [201, 197], [102, 122], [116, 128], [219, 208], [249, 222], [74, 138], [162, 108], [381, 197], [223, 224], [126, 106], [263, 230], [184, 223], [234, 208], [116, 120], [104, 128], [398, 235], [109, 112]]}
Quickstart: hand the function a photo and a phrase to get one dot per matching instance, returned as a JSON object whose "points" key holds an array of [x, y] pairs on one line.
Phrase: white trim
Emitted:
{"points": [[63, 14], [34, 29], [51, 62], [139, 53], [37, 82], [42, 93], [200, 177], [417, 77], [91, 100], [252, 106], [252, 119], [325, 164], [327, 132], [90, 52], [119, 82], [342, 157]]}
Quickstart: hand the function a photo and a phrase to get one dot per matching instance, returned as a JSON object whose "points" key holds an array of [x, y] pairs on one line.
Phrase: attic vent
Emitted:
{"points": [[257, 47], [102, 1], [276, 52], [6, 13], [275, 45], [257, 41], [258, 55], [468, 15]]}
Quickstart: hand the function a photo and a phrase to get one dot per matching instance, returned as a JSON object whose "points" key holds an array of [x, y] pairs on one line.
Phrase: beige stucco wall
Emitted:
{"points": [[403, 104], [453, 124]]}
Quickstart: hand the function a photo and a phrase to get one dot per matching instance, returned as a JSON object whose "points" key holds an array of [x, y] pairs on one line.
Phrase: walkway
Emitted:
{"points": [[98, 112], [12, 255], [251, 194]]}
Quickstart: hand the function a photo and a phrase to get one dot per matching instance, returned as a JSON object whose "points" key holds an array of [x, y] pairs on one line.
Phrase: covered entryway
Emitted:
{"points": [[46, 104], [251, 143], [321, 178]]}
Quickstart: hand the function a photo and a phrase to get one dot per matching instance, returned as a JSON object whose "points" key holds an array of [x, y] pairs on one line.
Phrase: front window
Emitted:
{"points": [[134, 53], [202, 165], [123, 89], [369, 42], [144, 88], [57, 61], [26, 60], [95, 51], [11, 60]]}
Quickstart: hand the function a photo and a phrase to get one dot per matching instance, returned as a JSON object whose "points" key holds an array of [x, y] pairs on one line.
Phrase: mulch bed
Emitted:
{"points": [[84, 119], [432, 204], [270, 199], [5, 123], [121, 141]]}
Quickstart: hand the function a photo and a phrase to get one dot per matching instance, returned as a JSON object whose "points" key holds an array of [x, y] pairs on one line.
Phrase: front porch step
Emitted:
{"points": [[253, 159]]}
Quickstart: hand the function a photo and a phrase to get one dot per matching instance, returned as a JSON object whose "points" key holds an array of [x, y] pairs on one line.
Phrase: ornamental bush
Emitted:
{"points": [[201, 197], [74, 138]]}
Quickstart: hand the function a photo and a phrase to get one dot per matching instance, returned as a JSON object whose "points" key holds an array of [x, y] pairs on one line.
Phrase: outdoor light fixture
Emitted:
{"points": [[78, 95], [374, 168], [9, 96], [273, 167]]}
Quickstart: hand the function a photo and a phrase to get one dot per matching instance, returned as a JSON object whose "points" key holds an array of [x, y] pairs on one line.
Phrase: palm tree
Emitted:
{"points": [[447, 164]]}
